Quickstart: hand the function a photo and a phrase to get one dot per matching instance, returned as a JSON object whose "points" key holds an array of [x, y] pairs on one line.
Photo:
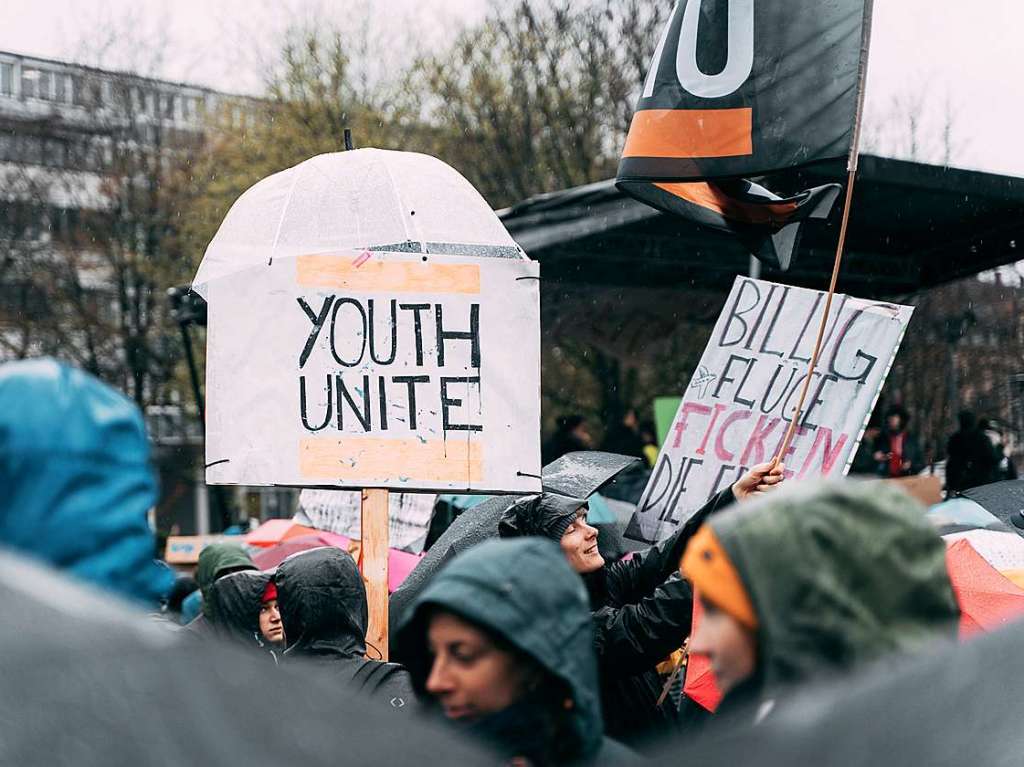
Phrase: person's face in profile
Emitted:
{"points": [[730, 646], [579, 544], [470, 676]]}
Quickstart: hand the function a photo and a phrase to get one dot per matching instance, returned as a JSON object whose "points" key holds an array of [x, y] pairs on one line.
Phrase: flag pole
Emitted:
{"points": [[851, 170]]}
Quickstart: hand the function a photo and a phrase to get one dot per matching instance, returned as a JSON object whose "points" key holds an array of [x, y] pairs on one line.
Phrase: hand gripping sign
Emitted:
{"points": [[739, 403], [386, 370]]}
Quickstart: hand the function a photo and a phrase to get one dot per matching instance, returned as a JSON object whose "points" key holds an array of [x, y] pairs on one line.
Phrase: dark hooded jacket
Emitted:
{"points": [[236, 600], [524, 594], [214, 561], [322, 600], [76, 480], [838, 574], [641, 612]]}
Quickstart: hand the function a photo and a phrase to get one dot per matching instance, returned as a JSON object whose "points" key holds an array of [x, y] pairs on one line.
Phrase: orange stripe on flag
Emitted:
{"points": [[373, 459], [338, 271], [690, 133], [713, 198]]}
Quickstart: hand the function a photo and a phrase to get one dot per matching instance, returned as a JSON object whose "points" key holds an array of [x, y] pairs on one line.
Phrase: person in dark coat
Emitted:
{"points": [[641, 610], [816, 581], [624, 437], [215, 561], [571, 434], [970, 459], [501, 643], [184, 586], [323, 609], [897, 450], [236, 602]]}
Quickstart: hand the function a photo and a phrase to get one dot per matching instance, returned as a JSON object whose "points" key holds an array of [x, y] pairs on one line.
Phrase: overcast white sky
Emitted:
{"points": [[926, 53]]}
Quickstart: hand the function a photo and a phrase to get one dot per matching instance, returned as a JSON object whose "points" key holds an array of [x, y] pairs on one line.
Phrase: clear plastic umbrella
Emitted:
{"points": [[371, 199]]}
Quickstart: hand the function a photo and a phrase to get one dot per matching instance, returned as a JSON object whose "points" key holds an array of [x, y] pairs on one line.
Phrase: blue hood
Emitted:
{"points": [[76, 478]]}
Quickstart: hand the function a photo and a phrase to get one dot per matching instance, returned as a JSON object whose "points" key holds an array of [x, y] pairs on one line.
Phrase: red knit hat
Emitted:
{"points": [[269, 593]]}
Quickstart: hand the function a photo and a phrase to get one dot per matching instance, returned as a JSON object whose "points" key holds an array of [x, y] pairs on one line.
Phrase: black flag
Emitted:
{"points": [[742, 88]]}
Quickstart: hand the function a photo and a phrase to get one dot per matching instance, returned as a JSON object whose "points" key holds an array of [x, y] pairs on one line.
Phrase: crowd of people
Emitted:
{"points": [[531, 645]]}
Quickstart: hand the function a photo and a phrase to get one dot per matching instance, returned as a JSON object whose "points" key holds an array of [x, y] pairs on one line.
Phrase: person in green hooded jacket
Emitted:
{"points": [[816, 580], [501, 642]]}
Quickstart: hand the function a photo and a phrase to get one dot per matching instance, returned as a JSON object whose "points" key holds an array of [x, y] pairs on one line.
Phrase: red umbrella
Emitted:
{"points": [[274, 555], [275, 531], [988, 599], [400, 563]]}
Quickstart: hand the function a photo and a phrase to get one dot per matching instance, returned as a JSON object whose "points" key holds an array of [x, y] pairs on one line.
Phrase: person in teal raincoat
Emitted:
{"points": [[77, 480], [501, 642]]}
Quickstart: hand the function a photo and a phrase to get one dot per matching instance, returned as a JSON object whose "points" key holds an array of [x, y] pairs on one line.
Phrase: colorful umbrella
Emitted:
{"points": [[988, 600], [296, 539]]}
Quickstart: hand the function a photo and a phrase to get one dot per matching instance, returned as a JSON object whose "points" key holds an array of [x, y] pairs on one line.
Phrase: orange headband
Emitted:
{"points": [[710, 570]]}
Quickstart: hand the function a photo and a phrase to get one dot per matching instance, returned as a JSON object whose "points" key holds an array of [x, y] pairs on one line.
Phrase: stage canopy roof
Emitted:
{"points": [[913, 226]]}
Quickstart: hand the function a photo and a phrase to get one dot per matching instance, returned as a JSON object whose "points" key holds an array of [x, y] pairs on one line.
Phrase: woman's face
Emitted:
{"points": [[471, 677], [579, 544], [729, 645], [270, 622]]}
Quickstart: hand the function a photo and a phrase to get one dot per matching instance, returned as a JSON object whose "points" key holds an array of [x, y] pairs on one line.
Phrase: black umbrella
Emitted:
{"points": [[576, 475], [1004, 500], [86, 680], [959, 706]]}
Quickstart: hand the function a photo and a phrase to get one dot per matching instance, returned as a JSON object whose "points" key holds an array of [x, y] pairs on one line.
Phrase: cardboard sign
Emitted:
{"points": [[337, 511], [185, 549], [740, 401], [389, 370]]}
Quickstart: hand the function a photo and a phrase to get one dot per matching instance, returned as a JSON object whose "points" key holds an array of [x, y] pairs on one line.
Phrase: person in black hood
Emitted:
{"points": [[500, 640], [323, 608], [641, 609], [235, 600], [215, 561]]}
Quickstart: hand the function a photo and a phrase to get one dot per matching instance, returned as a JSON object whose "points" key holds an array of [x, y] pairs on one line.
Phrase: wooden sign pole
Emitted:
{"points": [[373, 527]]}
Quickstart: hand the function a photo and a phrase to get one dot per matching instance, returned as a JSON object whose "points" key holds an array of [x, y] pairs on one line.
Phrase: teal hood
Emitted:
{"points": [[76, 478], [523, 592]]}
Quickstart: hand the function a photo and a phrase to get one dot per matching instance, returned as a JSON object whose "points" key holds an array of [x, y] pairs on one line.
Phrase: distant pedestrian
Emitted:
{"points": [[1005, 467], [571, 435], [896, 449], [624, 436], [971, 459], [649, 436]]}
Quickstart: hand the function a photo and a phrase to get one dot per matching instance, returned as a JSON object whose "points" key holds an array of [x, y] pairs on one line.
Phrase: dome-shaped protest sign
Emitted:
{"points": [[371, 324]]}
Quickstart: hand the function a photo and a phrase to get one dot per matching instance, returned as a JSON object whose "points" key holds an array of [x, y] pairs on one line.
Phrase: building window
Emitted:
{"points": [[6, 78], [29, 81], [44, 85]]}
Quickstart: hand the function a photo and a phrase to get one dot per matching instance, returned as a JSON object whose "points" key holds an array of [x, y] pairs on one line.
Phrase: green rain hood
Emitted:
{"points": [[838, 574], [213, 561]]}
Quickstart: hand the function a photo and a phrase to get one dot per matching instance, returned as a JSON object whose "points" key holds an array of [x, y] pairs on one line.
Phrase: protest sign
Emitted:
{"points": [[337, 511], [376, 370], [185, 549], [740, 401]]}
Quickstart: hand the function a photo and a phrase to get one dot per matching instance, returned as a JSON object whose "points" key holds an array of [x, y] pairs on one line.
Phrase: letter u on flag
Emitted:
{"points": [[742, 88]]}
